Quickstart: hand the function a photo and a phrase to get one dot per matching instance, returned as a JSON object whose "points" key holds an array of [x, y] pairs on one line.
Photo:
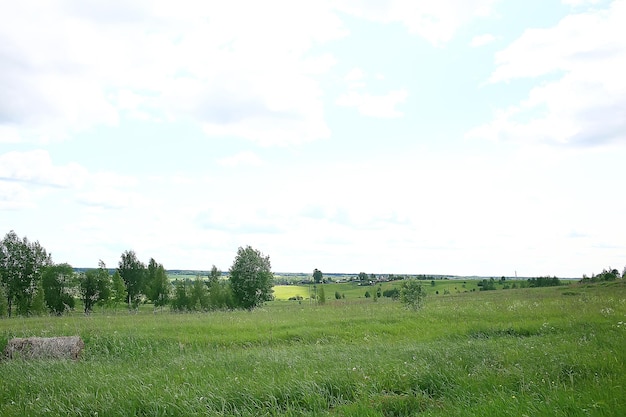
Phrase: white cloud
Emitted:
{"points": [[482, 40], [355, 78], [241, 159], [436, 21], [14, 196], [27, 176], [579, 2], [584, 105], [36, 167], [374, 106], [236, 74]]}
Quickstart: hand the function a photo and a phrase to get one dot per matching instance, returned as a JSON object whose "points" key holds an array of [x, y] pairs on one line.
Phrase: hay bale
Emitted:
{"points": [[44, 348]]}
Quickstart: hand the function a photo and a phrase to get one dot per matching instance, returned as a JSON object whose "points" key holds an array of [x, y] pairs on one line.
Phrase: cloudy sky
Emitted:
{"points": [[451, 137]]}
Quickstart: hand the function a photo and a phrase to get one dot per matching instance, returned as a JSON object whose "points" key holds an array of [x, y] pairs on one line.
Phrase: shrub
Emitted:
{"points": [[412, 294], [393, 293], [544, 282], [321, 295]]}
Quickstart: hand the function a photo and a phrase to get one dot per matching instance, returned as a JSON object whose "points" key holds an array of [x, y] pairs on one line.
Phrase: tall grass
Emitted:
{"points": [[553, 352]]}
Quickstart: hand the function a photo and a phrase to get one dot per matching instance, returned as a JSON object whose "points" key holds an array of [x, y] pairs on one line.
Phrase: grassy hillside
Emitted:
{"points": [[538, 352]]}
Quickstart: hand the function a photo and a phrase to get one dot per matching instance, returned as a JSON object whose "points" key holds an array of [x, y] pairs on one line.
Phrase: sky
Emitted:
{"points": [[462, 137]]}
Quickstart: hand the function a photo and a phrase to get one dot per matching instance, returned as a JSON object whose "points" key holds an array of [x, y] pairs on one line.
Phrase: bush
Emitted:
{"points": [[321, 295], [412, 294], [221, 296], [487, 285], [393, 293], [543, 282]]}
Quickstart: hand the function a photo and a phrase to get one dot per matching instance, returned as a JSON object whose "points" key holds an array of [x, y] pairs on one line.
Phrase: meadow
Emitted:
{"points": [[557, 351]]}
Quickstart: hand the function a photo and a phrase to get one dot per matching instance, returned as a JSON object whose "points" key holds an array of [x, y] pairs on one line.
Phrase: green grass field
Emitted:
{"points": [[556, 351]]}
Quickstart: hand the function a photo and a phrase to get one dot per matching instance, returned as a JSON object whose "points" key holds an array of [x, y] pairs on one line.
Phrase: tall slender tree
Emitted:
{"points": [[214, 275], [118, 289], [158, 284]]}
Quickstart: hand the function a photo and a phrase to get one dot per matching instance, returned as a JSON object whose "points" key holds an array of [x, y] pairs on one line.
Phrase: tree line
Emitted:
{"points": [[32, 284]]}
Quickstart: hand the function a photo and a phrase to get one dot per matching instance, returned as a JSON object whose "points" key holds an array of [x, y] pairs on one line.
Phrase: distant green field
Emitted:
{"points": [[353, 290], [284, 292], [555, 351]]}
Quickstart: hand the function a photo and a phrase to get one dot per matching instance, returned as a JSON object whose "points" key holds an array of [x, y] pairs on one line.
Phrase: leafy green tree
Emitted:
{"points": [[180, 302], [118, 289], [38, 305], [221, 296], [214, 275], [317, 276], [321, 295], [133, 272], [367, 294], [412, 294], [198, 297], [3, 302], [89, 289], [487, 285], [337, 295], [57, 282], [95, 287], [21, 265], [392, 293], [104, 284], [158, 284], [251, 278], [363, 277]]}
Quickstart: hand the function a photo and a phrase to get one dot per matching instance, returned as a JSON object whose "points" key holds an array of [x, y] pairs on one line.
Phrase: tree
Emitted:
{"points": [[251, 278], [38, 305], [412, 294], [95, 287], [392, 293], [214, 275], [21, 265], [321, 295], [104, 284], [118, 289], [158, 285], [221, 296], [89, 289], [180, 302], [133, 273], [364, 278], [57, 282], [317, 276], [3, 302], [198, 297]]}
